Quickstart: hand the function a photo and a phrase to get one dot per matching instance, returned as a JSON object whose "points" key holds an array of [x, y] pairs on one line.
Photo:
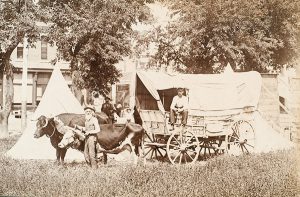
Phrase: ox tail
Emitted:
{"points": [[137, 138]]}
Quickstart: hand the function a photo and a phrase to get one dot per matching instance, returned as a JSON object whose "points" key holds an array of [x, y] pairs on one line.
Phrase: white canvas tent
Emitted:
{"points": [[56, 99]]}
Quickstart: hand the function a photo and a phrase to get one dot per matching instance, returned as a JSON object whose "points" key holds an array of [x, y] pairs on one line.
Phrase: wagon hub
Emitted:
{"points": [[243, 141], [183, 147]]}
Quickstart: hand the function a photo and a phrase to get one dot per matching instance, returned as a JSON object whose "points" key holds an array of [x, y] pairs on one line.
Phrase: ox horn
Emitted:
{"points": [[45, 123]]}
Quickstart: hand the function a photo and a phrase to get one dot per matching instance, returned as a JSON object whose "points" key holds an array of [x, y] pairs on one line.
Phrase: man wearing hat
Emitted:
{"points": [[179, 106], [108, 109], [91, 128]]}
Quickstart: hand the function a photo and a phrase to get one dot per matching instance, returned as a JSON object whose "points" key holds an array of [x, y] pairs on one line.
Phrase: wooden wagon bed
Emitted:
{"points": [[206, 135]]}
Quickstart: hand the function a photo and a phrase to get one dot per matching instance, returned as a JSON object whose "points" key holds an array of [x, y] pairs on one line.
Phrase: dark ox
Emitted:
{"points": [[46, 126], [113, 139]]}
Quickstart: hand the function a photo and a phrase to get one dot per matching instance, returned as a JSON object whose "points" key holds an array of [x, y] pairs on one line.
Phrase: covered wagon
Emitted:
{"points": [[221, 108]]}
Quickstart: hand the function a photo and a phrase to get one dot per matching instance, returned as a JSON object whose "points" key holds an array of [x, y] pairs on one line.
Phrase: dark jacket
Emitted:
{"points": [[108, 109]]}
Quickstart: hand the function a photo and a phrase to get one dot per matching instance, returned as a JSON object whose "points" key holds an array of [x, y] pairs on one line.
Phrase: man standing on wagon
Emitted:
{"points": [[179, 106]]}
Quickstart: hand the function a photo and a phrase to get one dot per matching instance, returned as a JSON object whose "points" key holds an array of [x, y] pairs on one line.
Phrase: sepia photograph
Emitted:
{"points": [[134, 98]]}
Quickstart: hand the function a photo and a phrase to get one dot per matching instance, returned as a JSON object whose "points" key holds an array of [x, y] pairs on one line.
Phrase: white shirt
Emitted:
{"points": [[128, 115], [92, 125], [179, 102]]}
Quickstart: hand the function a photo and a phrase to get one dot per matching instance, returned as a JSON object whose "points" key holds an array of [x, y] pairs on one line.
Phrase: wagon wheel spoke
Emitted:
{"points": [[200, 149], [213, 148], [151, 153], [236, 138], [190, 145], [189, 140], [180, 158], [149, 149], [148, 137], [235, 129], [192, 151], [244, 147], [175, 145], [189, 156], [160, 152], [176, 156], [252, 146], [184, 156], [176, 140], [192, 155], [209, 151], [155, 151], [148, 152]]}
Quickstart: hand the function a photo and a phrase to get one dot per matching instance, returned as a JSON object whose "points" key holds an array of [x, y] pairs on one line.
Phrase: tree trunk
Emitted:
{"points": [[8, 94], [78, 94], [74, 74]]}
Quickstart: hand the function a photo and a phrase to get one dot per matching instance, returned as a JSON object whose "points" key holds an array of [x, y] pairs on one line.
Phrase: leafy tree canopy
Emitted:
{"points": [[250, 35], [16, 20], [93, 35]]}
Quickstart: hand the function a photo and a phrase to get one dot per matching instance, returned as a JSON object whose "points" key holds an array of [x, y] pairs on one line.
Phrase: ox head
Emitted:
{"points": [[41, 124], [71, 139], [67, 140]]}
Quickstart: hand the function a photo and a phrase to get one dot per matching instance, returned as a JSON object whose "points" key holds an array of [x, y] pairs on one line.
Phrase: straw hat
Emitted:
{"points": [[90, 107]]}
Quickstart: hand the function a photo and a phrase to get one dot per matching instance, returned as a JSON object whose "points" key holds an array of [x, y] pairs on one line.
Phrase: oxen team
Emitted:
{"points": [[112, 138]]}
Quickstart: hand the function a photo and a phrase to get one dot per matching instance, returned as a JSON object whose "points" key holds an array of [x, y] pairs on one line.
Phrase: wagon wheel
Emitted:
{"points": [[242, 139], [153, 147], [211, 147], [183, 148], [220, 145]]}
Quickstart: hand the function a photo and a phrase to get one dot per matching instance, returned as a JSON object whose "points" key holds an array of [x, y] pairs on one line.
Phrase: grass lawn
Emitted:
{"points": [[272, 174]]}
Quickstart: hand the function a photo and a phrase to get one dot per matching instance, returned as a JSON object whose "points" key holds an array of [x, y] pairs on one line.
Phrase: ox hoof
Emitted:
{"points": [[59, 163], [94, 167], [104, 161]]}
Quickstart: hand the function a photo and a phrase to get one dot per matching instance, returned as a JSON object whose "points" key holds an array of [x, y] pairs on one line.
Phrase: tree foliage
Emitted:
{"points": [[93, 35], [17, 19], [250, 35]]}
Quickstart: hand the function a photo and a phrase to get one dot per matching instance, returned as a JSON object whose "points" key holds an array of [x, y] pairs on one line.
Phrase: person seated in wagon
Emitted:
{"points": [[179, 106]]}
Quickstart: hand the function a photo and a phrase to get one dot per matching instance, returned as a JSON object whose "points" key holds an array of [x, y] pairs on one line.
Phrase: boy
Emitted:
{"points": [[179, 106]]}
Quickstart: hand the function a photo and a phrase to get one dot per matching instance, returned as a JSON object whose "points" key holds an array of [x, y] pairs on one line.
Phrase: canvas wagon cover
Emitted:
{"points": [[218, 94]]}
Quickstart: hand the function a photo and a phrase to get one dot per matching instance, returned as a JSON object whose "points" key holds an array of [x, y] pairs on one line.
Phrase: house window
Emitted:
{"points": [[123, 95], [19, 52], [282, 101], [44, 49]]}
